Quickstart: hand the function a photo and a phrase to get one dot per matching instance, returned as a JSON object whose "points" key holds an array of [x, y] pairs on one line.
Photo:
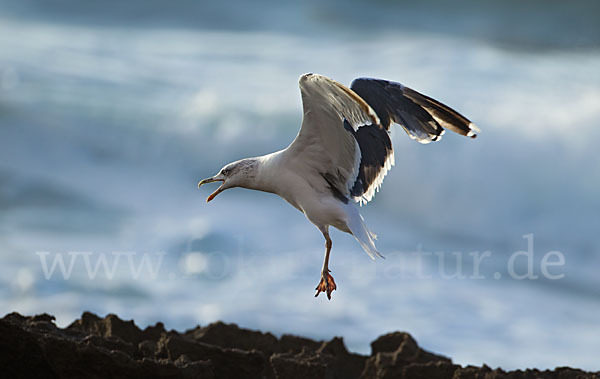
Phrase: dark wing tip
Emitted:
{"points": [[473, 129]]}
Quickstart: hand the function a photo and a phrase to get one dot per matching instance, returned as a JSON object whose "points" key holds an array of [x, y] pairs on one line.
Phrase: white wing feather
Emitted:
{"points": [[327, 148]]}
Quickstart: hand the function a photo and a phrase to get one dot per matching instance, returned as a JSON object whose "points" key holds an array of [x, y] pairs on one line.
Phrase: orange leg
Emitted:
{"points": [[327, 284]]}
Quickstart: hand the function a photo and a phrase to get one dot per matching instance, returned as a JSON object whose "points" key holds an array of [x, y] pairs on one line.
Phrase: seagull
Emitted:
{"points": [[342, 153]]}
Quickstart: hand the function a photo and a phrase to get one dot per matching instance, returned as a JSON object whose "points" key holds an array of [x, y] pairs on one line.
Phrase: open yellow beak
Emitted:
{"points": [[211, 180]]}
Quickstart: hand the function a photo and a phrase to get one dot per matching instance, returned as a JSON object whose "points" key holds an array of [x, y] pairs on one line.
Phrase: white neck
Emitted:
{"points": [[263, 176]]}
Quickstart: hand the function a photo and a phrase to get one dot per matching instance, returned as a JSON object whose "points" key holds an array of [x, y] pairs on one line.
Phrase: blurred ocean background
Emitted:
{"points": [[111, 112]]}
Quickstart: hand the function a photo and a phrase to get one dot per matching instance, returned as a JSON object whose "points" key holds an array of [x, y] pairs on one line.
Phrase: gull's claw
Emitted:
{"points": [[327, 284]]}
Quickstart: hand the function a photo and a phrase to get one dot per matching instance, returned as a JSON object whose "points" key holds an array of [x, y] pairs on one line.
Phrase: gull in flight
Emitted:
{"points": [[342, 153]]}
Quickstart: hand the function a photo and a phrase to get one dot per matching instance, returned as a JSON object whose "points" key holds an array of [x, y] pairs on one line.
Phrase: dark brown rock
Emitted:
{"points": [[21, 355], [397, 355], [231, 336], [304, 364], [295, 344], [94, 347], [404, 349], [227, 363]]}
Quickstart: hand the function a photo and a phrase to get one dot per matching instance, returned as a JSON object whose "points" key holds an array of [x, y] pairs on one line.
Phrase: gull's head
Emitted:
{"points": [[236, 174]]}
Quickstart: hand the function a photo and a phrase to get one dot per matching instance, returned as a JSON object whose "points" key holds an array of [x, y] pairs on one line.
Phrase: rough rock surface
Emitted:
{"points": [[93, 347]]}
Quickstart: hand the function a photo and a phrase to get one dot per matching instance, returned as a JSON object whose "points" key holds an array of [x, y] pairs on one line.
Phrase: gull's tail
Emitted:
{"points": [[363, 235]]}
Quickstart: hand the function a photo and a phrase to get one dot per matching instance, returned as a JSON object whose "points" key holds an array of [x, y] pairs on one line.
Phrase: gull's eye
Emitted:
{"points": [[225, 171]]}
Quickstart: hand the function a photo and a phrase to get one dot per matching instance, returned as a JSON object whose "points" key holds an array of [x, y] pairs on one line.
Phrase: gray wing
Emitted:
{"points": [[422, 117], [325, 149]]}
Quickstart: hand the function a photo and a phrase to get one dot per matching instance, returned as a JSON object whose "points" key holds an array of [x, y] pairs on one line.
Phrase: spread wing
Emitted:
{"points": [[422, 117], [326, 149], [344, 143]]}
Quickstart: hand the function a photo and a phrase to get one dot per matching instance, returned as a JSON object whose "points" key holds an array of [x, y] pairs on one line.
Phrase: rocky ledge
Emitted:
{"points": [[94, 347]]}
